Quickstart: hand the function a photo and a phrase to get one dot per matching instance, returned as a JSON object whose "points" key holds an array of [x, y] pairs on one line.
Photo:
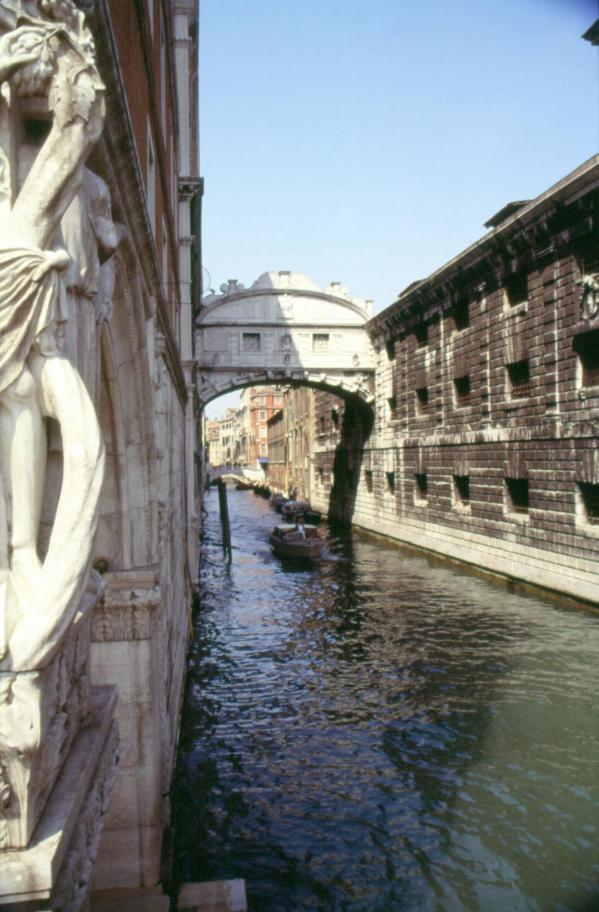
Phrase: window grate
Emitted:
{"points": [[519, 379], [462, 389]]}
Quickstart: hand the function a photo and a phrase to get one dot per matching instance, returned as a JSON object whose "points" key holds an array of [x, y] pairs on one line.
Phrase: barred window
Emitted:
{"points": [[462, 390], [519, 379]]}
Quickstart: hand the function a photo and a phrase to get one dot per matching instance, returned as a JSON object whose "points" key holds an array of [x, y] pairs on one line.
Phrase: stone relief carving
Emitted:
{"points": [[46, 62], [589, 300]]}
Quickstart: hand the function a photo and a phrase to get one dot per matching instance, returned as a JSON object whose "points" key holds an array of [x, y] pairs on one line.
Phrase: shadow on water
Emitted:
{"points": [[377, 732]]}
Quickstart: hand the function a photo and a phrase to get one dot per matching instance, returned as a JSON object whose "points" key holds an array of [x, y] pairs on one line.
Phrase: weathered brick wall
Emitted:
{"points": [[486, 413]]}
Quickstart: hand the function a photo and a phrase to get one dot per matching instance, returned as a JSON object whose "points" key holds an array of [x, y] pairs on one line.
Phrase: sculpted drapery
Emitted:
{"points": [[47, 54]]}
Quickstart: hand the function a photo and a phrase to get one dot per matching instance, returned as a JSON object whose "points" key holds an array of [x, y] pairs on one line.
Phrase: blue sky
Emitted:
{"points": [[367, 141]]}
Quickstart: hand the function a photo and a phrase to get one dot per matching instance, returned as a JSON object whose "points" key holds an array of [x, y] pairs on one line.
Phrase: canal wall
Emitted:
{"points": [[483, 446]]}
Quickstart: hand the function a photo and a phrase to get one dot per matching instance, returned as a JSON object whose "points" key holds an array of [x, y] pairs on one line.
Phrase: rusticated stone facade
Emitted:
{"points": [[484, 442]]}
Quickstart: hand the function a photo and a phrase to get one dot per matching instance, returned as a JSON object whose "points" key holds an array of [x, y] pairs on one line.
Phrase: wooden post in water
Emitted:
{"points": [[224, 517]]}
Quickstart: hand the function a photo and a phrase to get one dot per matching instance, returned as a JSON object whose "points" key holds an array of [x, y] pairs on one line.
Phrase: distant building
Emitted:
{"points": [[260, 403]]}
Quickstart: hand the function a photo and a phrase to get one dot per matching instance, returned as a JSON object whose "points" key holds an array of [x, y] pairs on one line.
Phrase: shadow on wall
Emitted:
{"points": [[356, 426]]}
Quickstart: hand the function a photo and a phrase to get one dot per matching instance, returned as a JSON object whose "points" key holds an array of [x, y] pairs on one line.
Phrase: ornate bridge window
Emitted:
{"points": [[320, 342], [250, 342]]}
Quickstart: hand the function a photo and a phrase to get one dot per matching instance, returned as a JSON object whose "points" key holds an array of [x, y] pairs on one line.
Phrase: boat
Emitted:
{"points": [[294, 508], [289, 540], [277, 501]]}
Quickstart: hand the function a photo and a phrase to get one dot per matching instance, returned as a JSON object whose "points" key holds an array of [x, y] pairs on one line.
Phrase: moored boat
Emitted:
{"points": [[294, 508], [291, 540]]}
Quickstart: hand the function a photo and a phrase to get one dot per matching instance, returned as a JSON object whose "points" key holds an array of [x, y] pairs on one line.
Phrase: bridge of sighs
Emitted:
{"points": [[285, 330]]}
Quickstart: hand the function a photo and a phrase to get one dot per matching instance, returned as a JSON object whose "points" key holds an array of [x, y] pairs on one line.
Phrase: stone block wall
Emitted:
{"points": [[484, 446]]}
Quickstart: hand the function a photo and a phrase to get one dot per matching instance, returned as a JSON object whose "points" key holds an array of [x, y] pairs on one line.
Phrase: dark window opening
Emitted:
{"points": [[335, 417], [390, 349], [461, 484], [251, 342], [320, 342], [321, 476], [369, 480], [390, 481], [421, 485], [461, 315], [422, 398], [519, 377], [589, 494], [517, 494], [462, 389], [322, 424], [587, 348], [392, 400], [516, 288], [421, 334]]}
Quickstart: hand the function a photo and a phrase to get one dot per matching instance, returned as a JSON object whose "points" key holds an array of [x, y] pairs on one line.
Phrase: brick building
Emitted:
{"points": [[484, 440], [260, 402]]}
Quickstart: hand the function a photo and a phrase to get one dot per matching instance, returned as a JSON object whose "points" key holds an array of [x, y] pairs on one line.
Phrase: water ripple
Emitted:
{"points": [[381, 733]]}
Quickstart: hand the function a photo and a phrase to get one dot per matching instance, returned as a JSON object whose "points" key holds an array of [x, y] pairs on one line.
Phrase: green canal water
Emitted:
{"points": [[379, 732]]}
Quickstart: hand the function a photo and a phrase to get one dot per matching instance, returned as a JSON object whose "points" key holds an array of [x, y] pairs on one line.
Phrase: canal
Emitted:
{"points": [[381, 732]]}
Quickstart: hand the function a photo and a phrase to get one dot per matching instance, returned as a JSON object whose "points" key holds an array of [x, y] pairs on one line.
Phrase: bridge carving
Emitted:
{"points": [[285, 330]]}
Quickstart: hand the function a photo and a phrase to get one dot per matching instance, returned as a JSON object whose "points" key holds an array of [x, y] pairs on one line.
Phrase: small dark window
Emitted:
{"points": [[321, 476], [390, 482], [519, 379], [335, 417], [461, 487], [589, 494], [392, 400], [461, 315], [421, 485], [517, 494], [369, 480], [421, 334], [390, 349], [320, 342], [422, 398], [516, 288], [251, 342], [587, 349], [322, 424], [462, 389]]}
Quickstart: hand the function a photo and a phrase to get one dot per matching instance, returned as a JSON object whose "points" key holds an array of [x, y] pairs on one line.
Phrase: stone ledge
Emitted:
{"points": [[29, 875]]}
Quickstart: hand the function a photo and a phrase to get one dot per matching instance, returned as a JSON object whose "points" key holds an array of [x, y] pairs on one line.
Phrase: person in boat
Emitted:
{"points": [[299, 525]]}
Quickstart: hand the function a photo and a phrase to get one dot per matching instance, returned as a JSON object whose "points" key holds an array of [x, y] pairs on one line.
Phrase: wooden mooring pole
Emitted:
{"points": [[224, 517]]}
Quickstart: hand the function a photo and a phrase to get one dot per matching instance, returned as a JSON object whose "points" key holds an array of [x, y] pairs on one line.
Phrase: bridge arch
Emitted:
{"points": [[285, 330]]}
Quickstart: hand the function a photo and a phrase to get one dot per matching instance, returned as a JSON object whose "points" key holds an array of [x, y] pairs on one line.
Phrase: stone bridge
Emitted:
{"points": [[285, 330]]}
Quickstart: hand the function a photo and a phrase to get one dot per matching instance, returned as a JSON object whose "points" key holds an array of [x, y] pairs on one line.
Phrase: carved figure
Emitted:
{"points": [[46, 52]]}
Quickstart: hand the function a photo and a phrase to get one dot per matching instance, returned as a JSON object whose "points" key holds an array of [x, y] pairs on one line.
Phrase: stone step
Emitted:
{"points": [[213, 896], [148, 900]]}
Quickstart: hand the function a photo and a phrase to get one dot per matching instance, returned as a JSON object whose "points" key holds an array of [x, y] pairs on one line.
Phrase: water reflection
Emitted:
{"points": [[379, 732]]}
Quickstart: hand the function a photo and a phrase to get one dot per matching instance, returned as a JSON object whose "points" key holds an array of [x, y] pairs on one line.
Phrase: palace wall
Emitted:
{"points": [[484, 441]]}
